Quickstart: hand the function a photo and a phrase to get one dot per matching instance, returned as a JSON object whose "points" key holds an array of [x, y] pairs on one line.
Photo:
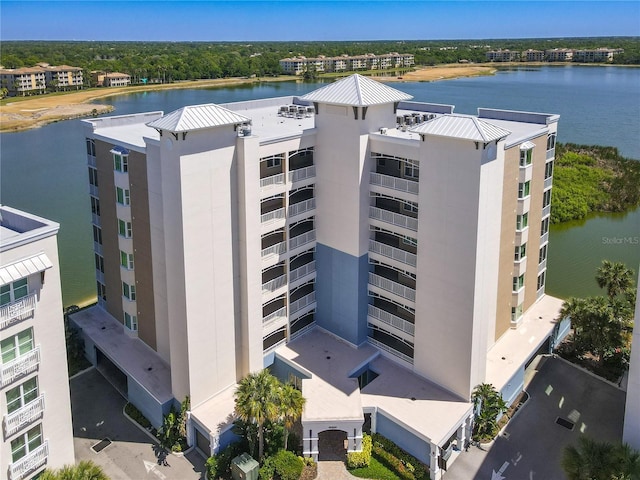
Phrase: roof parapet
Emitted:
{"points": [[518, 116]]}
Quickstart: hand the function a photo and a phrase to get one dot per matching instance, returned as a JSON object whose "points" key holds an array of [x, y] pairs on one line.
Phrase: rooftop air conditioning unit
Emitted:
{"points": [[383, 130]]}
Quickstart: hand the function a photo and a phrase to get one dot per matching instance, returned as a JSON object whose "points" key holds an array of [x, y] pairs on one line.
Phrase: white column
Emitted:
{"points": [[462, 435], [214, 443], [434, 468]]}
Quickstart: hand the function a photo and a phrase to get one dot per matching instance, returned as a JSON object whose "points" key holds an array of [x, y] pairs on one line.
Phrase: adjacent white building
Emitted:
{"points": [[34, 386], [631, 433], [385, 255]]}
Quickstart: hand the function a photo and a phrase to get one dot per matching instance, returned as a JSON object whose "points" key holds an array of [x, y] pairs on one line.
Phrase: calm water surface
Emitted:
{"points": [[44, 170]]}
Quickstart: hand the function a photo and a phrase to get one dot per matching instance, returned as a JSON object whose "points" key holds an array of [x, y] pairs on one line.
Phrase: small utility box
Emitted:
{"points": [[244, 467]]}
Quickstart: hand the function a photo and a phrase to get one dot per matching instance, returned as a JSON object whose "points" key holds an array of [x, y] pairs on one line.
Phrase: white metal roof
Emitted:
{"points": [[24, 268], [196, 117], [461, 126], [356, 90]]}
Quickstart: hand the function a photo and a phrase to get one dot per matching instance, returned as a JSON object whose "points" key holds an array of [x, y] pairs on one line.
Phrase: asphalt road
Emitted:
{"points": [[531, 446], [96, 408]]}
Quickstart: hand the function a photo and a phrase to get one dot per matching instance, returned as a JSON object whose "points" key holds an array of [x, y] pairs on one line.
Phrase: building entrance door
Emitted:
{"points": [[332, 445]]}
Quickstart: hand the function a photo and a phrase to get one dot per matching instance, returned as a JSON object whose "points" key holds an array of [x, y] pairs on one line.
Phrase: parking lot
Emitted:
{"points": [[532, 443], [128, 453]]}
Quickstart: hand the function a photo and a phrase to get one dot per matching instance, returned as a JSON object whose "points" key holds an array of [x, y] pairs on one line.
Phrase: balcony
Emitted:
{"points": [[302, 207], [274, 316], [392, 218], [276, 249], [301, 239], [302, 174], [27, 464], [394, 183], [544, 238], [272, 215], [386, 348], [17, 311], [23, 416], [272, 209], [542, 265], [274, 284], [272, 180], [302, 302], [551, 154], [392, 286], [546, 211], [548, 182], [302, 271], [390, 319], [20, 366], [394, 253]]}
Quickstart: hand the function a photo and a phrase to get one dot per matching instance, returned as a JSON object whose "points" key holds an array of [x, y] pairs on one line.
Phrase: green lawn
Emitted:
{"points": [[375, 471]]}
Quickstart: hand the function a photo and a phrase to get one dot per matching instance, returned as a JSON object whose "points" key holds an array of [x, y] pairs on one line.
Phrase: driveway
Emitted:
{"points": [[96, 408], [532, 444]]}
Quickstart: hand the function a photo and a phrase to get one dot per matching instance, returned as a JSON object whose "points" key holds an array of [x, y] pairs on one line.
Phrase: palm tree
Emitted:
{"points": [[85, 470], [257, 402], [290, 406], [591, 459], [489, 405], [615, 277]]}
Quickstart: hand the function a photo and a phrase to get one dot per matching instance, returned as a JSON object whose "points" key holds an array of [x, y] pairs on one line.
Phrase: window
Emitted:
{"points": [[24, 393], [120, 163], [518, 283], [14, 291], [516, 313], [544, 226], [122, 196], [412, 169], [546, 198], [521, 252], [523, 189], [548, 170], [17, 345], [97, 235], [99, 261], [26, 443], [124, 228], [542, 256], [131, 322], [101, 291], [91, 147], [95, 206], [526, 157], [93, 176], [541, 279], [410, 207], [274, 160], [551, 141], [126, 260], [129, 291], [522, 221]]}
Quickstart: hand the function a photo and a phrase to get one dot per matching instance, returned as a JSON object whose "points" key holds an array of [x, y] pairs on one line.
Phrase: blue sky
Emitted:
{"points": [[244, 20]]}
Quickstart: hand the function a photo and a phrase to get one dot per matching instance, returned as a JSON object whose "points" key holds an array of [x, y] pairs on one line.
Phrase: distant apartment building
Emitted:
{"points": [[559, 55], [502, 56], [385, 255], [533, 55], [598, 55], [111, 79], [344, 63], [28, 80], [34, 387]]}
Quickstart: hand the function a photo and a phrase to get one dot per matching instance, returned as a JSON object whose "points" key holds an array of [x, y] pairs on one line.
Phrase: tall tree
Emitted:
{"points": [[615, 277], [590, 459], [291, 403], [489, 405], [257, 402], [84, 470]]}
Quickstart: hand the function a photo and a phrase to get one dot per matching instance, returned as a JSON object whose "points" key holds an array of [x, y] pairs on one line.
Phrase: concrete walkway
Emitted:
{"points": [[333, 470]]}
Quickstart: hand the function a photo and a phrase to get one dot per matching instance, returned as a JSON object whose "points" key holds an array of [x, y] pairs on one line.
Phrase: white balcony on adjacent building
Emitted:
{"points": [[539, 293], [548, 182], [275, 284], [29, 463], [272, 215], [301, 272], [277, 249], [22, 417], [544, 238], [302, 174], [274, 316], [301, 303], [546, 211], [93, 190], [303, 239], [394, 183], [551, 153], [267, 182], [542, 265], [524, 205], [302, 207], [392, 351], [397, 254], [391, 286], [17, 311], [390, 319], [20, 366], [95, 219], [392, 218]]}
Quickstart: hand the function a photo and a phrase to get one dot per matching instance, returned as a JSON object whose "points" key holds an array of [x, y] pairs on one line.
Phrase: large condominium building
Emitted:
{"points": [[34, 388], [385, 255], [346, 63], [22, 81], [631, 433]]}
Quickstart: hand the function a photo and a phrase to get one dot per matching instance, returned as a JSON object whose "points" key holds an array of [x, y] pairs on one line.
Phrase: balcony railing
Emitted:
{"points": [[23, 416], [539, 293], [551, 153], [280, 313], [548, 182], [272, 215], [275, 249], [27, 464], [393, 218], [97, 248], [391, 286], [390, 350], [302, 271], [17, 311], [302, 173], [394, 183], [301, 207], [391, 319], [546, 211], [544, 238], [22, 365], [299, 304], [272, 180], [95, 219], [393, 252], [91, 160], [275, 284], [93, 190], [542, 265], [299, 240]]}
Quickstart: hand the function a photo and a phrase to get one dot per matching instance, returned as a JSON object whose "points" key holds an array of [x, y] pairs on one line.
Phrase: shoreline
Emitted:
{"points": [[32, 112]]}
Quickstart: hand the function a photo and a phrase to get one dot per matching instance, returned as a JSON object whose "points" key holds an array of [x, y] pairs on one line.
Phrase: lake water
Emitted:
{"points": [[43, 171]]}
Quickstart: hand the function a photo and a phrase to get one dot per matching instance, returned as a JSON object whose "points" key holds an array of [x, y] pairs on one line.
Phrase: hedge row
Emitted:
{"points": [[285, 464], [360, 459], [407, 466]]}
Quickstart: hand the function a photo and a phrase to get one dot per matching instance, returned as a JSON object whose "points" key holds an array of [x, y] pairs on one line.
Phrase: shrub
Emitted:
{"points": [[212, 468], [286, 465], [360, 459], [409, 463], [137, 416], [268, 469], [223, 458], [391, 461]]}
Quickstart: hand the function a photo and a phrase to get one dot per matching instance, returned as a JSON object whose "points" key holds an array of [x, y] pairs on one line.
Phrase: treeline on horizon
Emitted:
{"points": [[174, 61]]}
